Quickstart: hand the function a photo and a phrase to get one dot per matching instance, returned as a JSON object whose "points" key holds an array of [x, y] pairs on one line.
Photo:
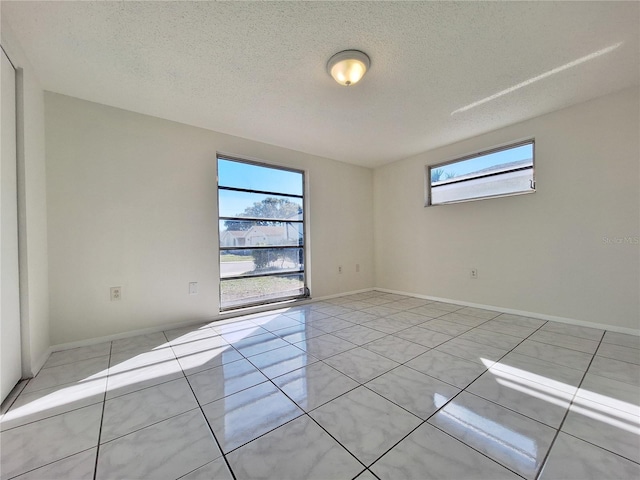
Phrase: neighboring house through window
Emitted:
{"points": [[262, 234]]}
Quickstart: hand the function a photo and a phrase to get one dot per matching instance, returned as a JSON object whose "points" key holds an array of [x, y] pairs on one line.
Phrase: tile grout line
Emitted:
{"points": [[404, 364], [602, 448], [52, 387], [426, 421], [491, 401], [566, 413], [576, 396], [51, 416], [464, 389], [14, 399], [429, 348], [184, 375], [376, 477], [470, 361], [48, 463], [360, 384], [265, 433], [615, 359], [496, 403], [305, 413], [476, 450], [386, 334], [334, 438], [104, 402], [44, 367]]}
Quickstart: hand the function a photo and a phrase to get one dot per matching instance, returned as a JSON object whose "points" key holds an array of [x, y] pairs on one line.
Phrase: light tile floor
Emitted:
{"points": [[366, 386]]}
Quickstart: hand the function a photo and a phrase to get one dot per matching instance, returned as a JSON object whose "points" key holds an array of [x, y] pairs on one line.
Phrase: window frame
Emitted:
{"points": [[303, 200], [499, 148]]}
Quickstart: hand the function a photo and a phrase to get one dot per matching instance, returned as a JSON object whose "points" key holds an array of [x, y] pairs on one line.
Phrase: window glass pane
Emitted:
{"points": [[494, 162], [268, 250], [506, 184], [258, 205], [255, 177], [239, 233], [504, 172], [238, 292], [252, 261]]}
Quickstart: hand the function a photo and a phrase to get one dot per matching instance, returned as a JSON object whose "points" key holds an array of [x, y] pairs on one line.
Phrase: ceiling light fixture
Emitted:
{"points": [[348, 67]]}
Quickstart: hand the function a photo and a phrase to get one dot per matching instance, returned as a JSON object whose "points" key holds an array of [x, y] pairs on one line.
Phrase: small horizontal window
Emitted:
{"points": [[494, 173]]}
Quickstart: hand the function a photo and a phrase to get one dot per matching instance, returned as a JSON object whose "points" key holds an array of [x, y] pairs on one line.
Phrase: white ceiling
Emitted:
{"points": [[257, 69]]}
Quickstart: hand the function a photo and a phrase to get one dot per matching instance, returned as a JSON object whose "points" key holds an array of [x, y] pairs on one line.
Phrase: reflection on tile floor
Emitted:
{"points": [[372, 385]]}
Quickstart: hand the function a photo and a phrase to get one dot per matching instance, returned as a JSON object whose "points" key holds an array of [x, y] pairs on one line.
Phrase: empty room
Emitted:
{"points": [[320, 240]]}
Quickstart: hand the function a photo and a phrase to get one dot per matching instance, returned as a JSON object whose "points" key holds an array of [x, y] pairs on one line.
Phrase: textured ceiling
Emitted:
{"points": [[257, 69]]}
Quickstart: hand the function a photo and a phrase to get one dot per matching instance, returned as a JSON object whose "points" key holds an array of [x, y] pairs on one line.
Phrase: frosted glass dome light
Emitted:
{"points": [[348, 67]]}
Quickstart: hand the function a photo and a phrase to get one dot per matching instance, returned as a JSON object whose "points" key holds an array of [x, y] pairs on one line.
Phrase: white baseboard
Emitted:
{"points": [[130, 333], [273, 307], [523, 313], [37, 366], [338, 295]]}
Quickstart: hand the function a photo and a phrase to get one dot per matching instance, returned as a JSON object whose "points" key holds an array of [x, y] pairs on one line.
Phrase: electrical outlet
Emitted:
{"points": [[474, 273], [116, 293], [357, 267], [193, 288], [339, 268]]}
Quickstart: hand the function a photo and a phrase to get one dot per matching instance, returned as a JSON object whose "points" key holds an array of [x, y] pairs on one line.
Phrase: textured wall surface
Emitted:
{"points": [[569, 250], [133, 203]]}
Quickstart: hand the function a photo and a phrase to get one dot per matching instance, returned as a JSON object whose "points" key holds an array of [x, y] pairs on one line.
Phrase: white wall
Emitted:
{"points": [[132, 203], [32, 209], [541, 253], [10, 352]]}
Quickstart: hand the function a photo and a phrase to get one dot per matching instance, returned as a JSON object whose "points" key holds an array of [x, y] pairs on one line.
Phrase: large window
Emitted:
{"points": [[494, 173], [261, 223]]}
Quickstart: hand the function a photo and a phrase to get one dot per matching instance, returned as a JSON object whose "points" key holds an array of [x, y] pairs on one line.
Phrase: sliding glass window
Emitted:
{"points": [[262, 241], [493, 173]]}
